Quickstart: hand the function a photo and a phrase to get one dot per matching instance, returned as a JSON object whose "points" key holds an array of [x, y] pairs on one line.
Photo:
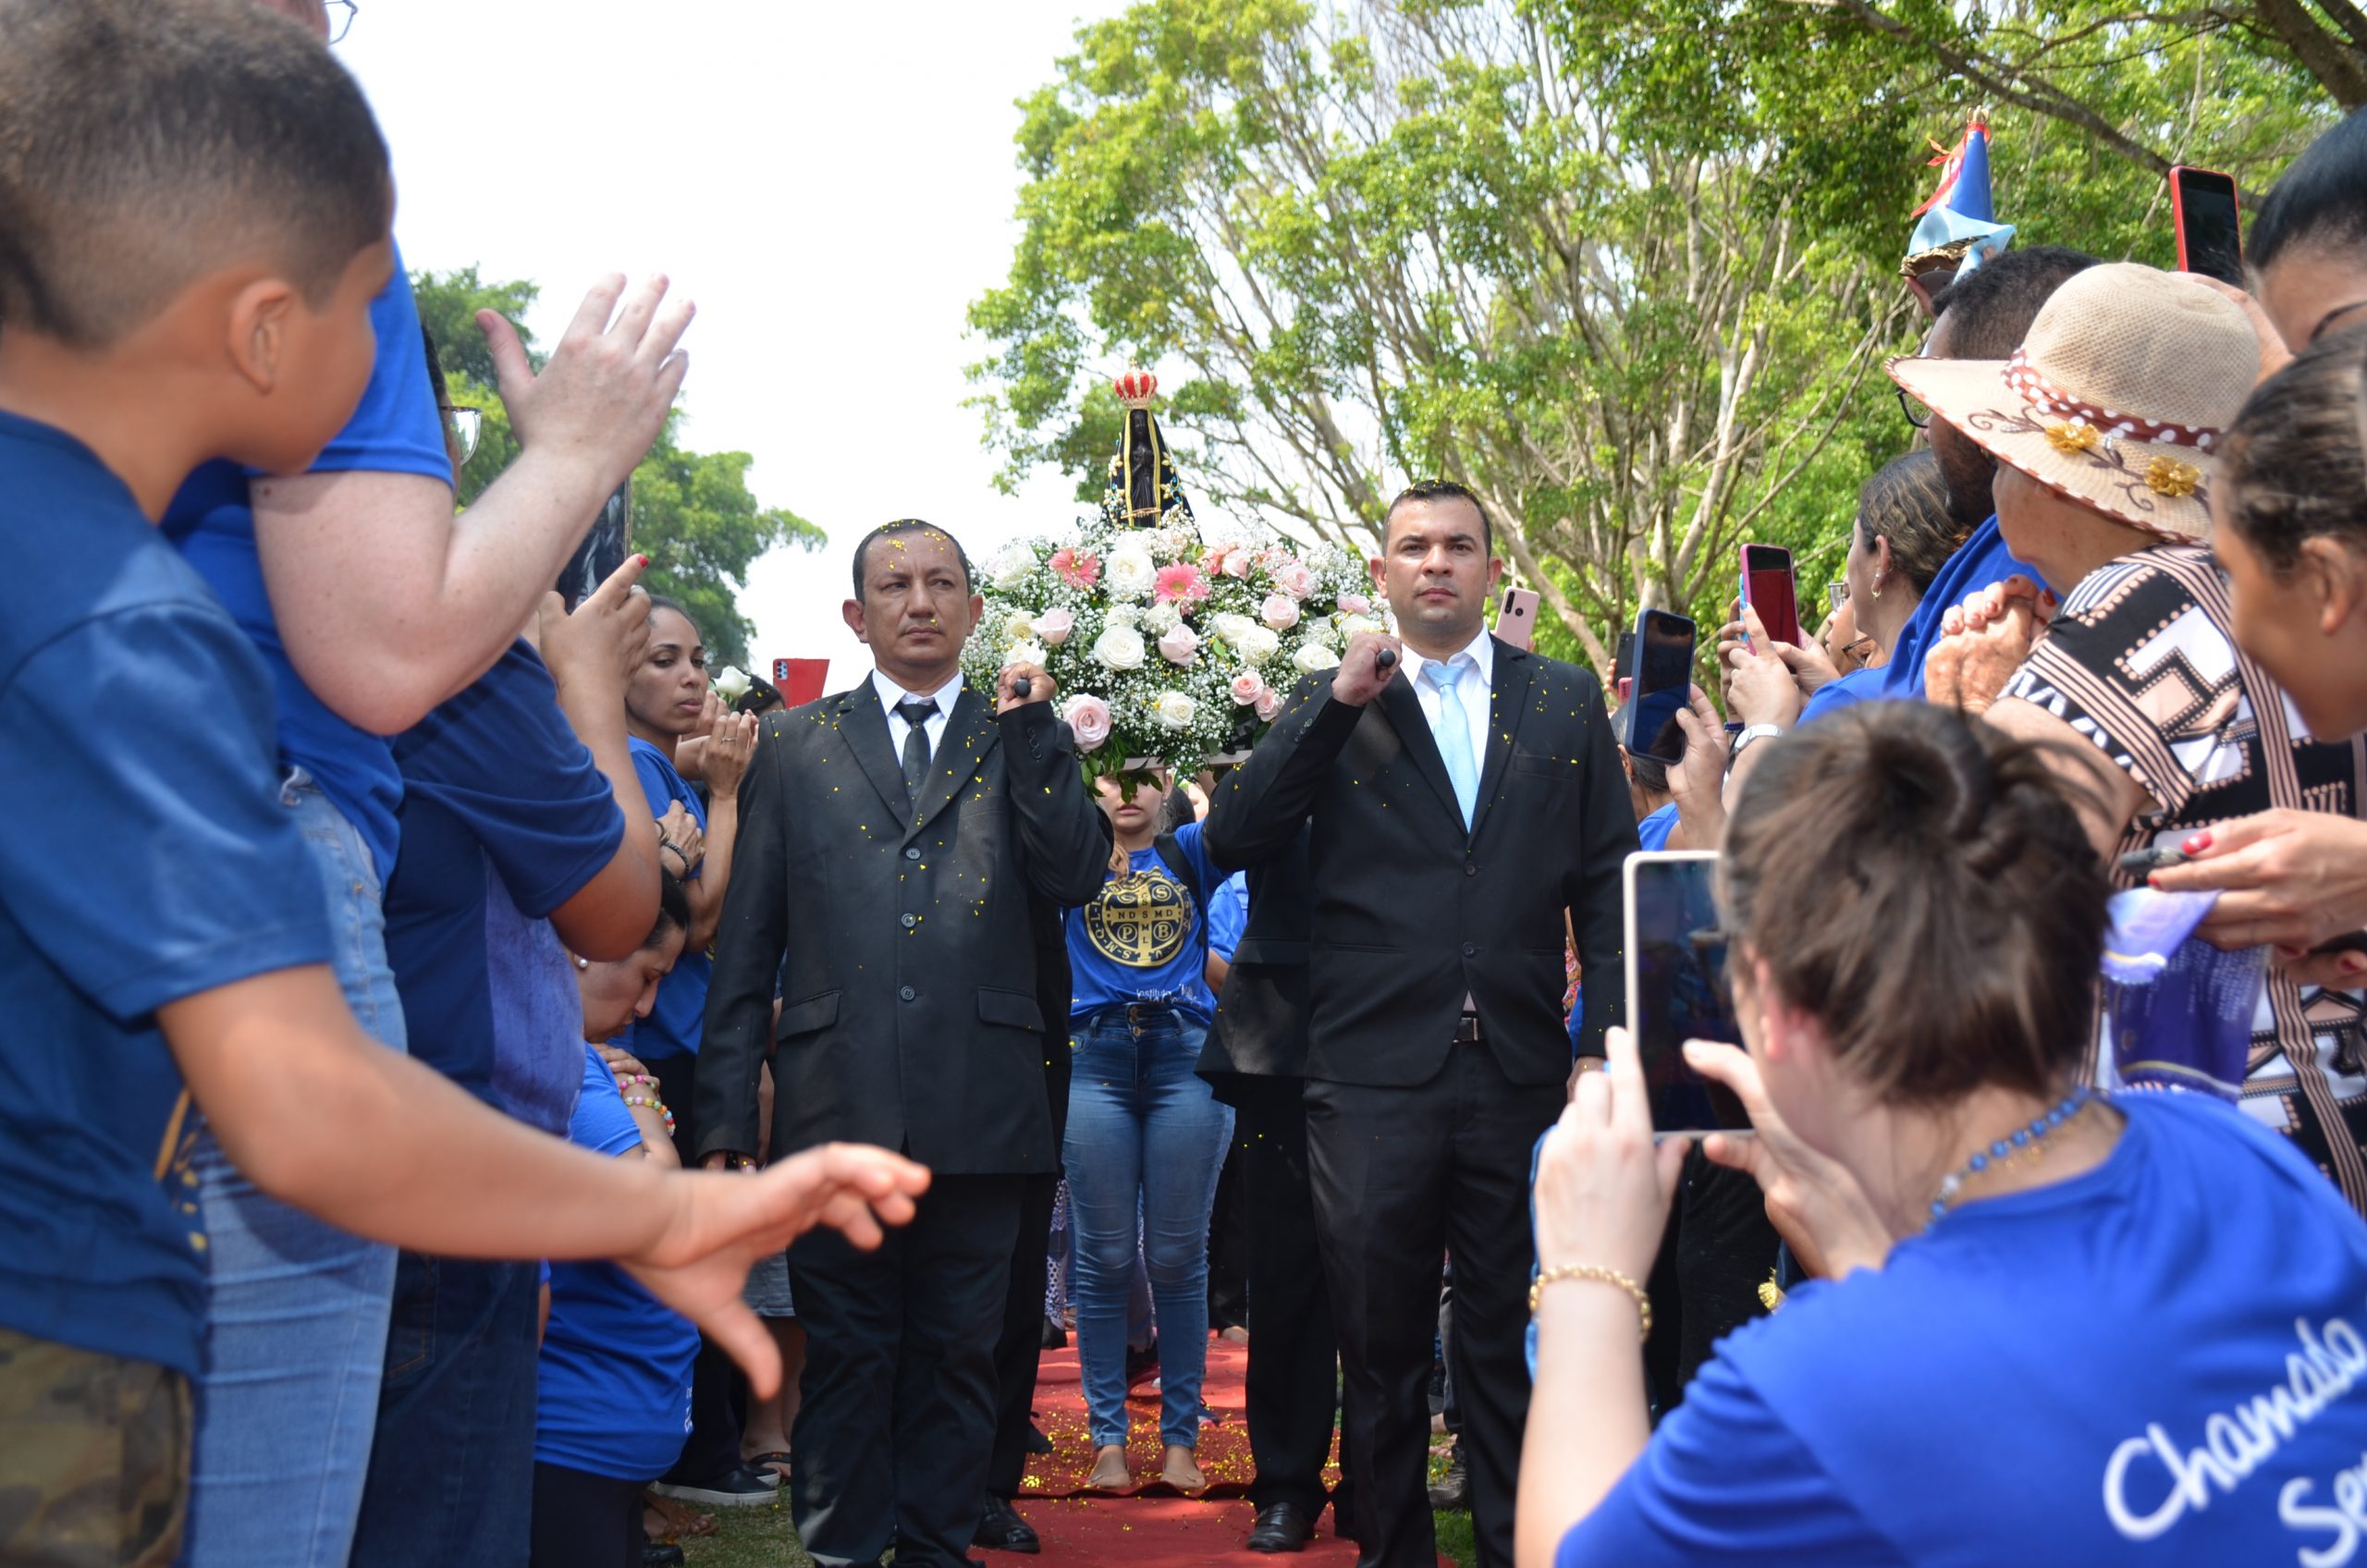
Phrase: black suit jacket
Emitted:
{"points": [[1411, 912], [910, 1009], [1260, 1027]]}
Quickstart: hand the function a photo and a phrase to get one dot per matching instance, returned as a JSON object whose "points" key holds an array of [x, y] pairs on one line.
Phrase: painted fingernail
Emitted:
{"points": [[2196, 844]]}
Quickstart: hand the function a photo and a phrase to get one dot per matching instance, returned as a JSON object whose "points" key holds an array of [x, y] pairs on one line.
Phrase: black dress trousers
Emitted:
{"points": [[1402, 1175], [897, 1420], [1293, 1350]]}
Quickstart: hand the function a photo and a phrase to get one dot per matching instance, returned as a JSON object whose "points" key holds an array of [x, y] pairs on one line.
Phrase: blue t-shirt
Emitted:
{"points": [[2151, 1364], [1980, 562], [1858, 686], [1229, 915], [676, 1018], [613, 1395], [136, 721], [505, 817], [1143, 939], [395, 430], [1653, 831]]}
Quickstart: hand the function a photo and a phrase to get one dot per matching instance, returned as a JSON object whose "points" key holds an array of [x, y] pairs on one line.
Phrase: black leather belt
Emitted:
{"points": [[1467, 1030]]}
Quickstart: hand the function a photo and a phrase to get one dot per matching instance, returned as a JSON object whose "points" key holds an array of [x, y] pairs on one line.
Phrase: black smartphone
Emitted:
{"points": [[1676, 987], [2202, 207], [603, 551], [1659, 684]]}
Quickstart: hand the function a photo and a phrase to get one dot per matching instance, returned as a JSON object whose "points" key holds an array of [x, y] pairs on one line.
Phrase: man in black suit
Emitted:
{"points": [[1458, 797], [1254, 1059], [892, 840]]}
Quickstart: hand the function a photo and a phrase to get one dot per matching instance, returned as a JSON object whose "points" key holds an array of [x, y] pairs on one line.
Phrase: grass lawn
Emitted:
{"points": [[762, 1538]]}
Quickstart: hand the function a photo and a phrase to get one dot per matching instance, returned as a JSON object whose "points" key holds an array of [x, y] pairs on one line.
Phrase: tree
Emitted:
{"points": [[1626, 267], [1408, 239], [692, 513]]}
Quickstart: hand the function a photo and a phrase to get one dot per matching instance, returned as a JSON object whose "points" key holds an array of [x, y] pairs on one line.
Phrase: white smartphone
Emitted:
{"points": [[1677, 988]]}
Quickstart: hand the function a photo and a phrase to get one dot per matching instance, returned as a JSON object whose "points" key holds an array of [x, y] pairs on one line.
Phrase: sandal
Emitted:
{"points": [[681, 1522], [777, 1462]]}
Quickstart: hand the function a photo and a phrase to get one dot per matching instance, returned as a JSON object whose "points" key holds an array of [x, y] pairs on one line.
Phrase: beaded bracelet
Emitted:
{"points": [[1593, 1272], [624, 1078], [656, 1105]]}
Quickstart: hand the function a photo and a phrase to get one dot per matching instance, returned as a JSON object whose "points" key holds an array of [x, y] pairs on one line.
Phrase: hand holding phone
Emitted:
{"points": [[1768, 588]]}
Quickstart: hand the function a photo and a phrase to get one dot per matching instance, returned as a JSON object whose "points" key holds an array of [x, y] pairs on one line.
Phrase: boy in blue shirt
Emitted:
{"points": [[193, 219]]}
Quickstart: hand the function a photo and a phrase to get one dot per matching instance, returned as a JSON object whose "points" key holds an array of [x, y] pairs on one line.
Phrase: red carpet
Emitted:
{"points": [[1158, 1527]]}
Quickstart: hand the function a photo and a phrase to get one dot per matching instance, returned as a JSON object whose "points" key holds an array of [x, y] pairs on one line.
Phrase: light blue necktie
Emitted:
{"points": [[1453, 731]]}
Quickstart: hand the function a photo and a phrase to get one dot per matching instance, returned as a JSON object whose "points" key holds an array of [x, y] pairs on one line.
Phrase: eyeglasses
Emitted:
{"points": [[467, 426], [1917, 413], [1836, 593], [340, 17]]}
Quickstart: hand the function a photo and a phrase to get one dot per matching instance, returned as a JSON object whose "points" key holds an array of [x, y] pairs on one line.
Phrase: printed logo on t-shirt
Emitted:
{"points": [[1141, 920]]}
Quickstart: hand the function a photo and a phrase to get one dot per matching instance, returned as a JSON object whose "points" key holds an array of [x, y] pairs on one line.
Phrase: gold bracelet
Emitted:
{"points": [[1593, 1272]]}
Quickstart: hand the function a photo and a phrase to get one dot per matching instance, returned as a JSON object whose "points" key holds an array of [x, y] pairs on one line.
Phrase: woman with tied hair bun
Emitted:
{"points": [[2048, 1328]]}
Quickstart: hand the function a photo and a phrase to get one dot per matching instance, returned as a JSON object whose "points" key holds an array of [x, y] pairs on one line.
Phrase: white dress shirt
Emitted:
{"points": [[1477, 681], [890, 694]]}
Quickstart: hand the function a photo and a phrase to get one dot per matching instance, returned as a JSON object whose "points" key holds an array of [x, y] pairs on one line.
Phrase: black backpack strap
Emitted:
{"points": [[1179, 865]]}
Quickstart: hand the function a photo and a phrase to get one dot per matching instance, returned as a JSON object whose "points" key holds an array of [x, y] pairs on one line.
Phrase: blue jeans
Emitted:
{"points": [[1146, 1138], [452, 1472], [295, 1309]]}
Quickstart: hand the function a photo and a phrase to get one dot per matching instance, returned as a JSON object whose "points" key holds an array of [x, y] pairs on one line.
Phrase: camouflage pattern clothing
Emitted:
{"points": [[94, 1458]]}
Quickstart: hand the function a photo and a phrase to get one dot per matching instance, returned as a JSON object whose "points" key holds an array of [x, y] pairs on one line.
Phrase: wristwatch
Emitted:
{"points": [[1750, 732]]}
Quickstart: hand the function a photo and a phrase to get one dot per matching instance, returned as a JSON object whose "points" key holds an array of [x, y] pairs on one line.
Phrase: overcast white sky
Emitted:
{"points": [[832, 183]]}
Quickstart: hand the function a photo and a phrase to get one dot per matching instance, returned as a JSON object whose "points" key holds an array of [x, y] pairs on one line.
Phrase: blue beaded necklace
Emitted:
{"points": [[2033, 1136]]}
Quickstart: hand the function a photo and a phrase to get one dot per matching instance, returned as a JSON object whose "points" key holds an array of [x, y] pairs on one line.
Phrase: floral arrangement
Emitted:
{"points": [[1170, 640]]}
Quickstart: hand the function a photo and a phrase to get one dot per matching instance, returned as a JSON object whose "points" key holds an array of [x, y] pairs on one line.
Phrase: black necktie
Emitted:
{"points": [[915, 712]]}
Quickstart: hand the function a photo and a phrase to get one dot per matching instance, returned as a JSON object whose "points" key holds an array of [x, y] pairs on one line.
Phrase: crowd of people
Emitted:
{"points": [[480, 1098]]}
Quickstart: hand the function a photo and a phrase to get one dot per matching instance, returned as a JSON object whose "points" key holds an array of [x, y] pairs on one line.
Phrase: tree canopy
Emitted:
{"points": [[692, 513], [1627, 267]]}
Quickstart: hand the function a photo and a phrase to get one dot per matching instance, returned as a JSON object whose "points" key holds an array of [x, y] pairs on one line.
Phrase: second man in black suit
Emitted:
{"points": [[892, 840], [1458, 801]]}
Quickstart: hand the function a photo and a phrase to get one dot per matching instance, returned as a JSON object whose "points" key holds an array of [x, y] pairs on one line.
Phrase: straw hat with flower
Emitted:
{"points": [[2115, 399]]}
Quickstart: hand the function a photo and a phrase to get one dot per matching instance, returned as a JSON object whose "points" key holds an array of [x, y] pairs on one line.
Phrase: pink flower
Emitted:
{"points": [[1248, 688], [1078, 568], [1280, 611], [1212, 559], [1088, 718], [1292, 577], [1053, 628], [1180, 584], [1182, 645], [1350, 603], [1237, 563], [1269, 704]]}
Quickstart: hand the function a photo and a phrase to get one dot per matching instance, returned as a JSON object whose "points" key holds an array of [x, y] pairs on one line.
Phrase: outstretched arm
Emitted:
{"points": [[388, 602]]}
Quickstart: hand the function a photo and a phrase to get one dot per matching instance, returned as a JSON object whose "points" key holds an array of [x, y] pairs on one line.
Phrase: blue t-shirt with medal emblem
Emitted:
{"points": [[1145, 939]]}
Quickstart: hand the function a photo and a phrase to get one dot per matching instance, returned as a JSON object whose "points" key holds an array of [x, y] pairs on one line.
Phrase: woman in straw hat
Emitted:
{"points": [[2106, 425]]}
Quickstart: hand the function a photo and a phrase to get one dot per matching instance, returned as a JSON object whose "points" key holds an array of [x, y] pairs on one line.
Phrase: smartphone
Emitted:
{"points": [[2202, 208], [1659, 684], [1516, 617], [1676, 987], [1767, 587], [603, 551]]}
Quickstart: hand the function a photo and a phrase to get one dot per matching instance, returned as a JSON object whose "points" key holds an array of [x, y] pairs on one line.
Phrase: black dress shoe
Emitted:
{"points": [[1003, 1530], [1451, 1493], [1281, 1527], [660, 1554]]}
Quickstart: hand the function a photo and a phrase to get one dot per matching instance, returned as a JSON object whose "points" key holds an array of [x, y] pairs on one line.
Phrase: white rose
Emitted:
{"points": [[1118, 647], [1314, 658], [1257, 645], [1025, 651], [732, 685], [1130, 573], [1161, 619], [1018, 628], [1012, 567], [1174, 710], [1354, 626], [1230, 628]]}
